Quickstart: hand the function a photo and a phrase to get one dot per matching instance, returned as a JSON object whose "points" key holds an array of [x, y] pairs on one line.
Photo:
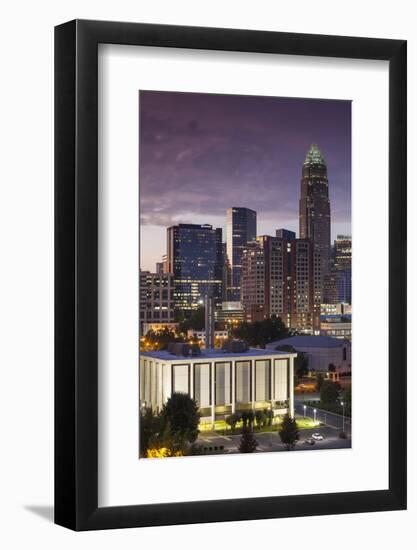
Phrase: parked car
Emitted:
{"points": [[309, 441], [317, 437]]}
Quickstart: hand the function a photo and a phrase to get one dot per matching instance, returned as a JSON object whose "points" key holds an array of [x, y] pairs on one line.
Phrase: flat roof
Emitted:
{"points": [[307, 341], [215, 354]]}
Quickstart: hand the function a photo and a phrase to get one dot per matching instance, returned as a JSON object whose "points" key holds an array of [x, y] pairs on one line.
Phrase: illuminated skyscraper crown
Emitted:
{"points": [[314, 156]]}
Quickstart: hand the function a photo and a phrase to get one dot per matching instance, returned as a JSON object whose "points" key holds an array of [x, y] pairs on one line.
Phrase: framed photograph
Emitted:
{"points": [[230, 244]]}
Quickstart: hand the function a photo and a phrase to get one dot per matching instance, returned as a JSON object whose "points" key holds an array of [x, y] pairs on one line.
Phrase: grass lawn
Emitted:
{"points": [[220, 426]]}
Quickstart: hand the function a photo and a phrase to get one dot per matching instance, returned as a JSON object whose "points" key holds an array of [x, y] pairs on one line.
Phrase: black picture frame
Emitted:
{"points": [[76, 271]]}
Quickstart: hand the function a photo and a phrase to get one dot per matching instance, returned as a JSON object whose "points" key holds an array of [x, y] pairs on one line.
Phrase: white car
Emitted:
{"points": [[317, 437]]}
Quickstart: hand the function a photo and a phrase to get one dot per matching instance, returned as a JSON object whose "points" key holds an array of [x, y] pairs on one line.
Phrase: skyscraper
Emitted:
{"points": [[314, 216], [195, 257], [281, 276], [156, 295], [343, 252], [240, 229]]}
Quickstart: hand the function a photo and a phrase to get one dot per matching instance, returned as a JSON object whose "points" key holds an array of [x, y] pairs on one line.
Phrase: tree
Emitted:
{"points": [[248, 443], [149, 427], [158, 340], [269, 413], [329, 392], [319, 381], [232, 420], [181, 414], [288, 432], [347, 399], [195, 321], [260, 418], [251, 418], [244, 418], [261, 332]]}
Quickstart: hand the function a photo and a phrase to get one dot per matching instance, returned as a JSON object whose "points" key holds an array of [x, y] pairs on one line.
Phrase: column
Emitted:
{"points": [[191, 380], [213, 392], [233, 367], [291, 387], [252, 374]]}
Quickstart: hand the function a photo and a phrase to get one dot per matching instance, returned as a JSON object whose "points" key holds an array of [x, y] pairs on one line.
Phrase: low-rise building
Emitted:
{"points": [[221, 382], [336, 309], [156, 298], [322, 352], [231, 313], [200, 335], [159, 327], [337, 326]]}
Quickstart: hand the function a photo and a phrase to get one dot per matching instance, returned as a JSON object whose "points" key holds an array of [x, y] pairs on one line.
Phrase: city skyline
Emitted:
{"points": [[203, 153]]}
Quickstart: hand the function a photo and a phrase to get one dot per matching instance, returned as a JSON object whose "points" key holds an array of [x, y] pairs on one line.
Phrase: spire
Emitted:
{"points": [[314, 156]]}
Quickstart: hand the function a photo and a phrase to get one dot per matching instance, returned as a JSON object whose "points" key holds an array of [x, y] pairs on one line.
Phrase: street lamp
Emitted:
{"points": [[314, 411], [304, 407], [343, 415]]}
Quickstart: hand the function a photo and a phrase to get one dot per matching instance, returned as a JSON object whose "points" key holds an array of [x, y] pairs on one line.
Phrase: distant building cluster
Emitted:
{"points": [[303, 280]]}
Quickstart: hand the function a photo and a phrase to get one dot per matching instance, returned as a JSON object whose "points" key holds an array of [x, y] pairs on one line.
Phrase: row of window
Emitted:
{"points": [[263, 383]]}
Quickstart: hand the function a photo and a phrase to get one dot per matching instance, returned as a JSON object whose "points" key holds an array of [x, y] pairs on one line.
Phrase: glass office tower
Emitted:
{"points": [[240, 229], [195, 257]]}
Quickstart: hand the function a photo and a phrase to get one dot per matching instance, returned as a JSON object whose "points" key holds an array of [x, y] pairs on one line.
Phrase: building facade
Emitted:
{"points": [[156, 298], [322, 352], [281, 276], [221, 382], [240, 229], [219, 336], [314, 206], [195, 257], [343, 252], [336, 326], [230, 313]]}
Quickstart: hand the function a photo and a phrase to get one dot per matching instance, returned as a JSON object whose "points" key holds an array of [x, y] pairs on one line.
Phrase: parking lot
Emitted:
{"points": [[271, 442]]}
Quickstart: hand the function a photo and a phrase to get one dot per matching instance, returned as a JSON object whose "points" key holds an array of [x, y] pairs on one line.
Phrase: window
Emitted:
{"points": [[262, 380], [243, 381], [180, 378], [202, 384], [223, 383], [280, 380]]}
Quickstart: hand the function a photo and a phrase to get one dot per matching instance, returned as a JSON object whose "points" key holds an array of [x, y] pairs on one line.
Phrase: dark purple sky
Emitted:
{"points": [[202, 153]]}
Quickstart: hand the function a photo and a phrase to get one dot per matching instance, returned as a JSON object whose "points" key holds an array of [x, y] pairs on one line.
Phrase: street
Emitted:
{"points": [[270, 441]]}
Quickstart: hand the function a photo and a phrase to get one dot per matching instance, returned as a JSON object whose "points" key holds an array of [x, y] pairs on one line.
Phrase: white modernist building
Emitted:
{"points": [[221, 382], [322, 351]]}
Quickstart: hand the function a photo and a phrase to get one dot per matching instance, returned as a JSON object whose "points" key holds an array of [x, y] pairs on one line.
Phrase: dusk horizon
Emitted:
{"points": [[203, 153]]}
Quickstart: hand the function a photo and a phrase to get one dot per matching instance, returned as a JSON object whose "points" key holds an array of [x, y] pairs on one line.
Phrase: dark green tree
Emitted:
{"points": [[319, 381], [245, 418], [288, 432], [329, 392], [159, 340], [149, 428], [269, 415], [347, 399], [248, 443], [196, 321], [261, 332], [260, 418], [181, 413], [232, 420], [251, 418]]}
